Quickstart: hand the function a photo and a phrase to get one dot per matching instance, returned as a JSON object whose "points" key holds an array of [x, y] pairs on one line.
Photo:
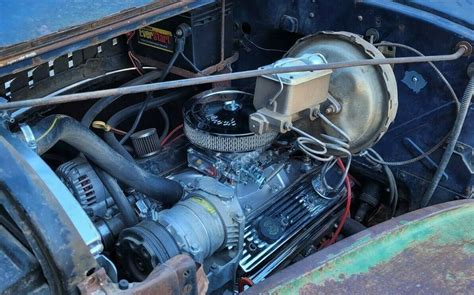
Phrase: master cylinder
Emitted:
{"points": [[283, 98], [361, 101]]}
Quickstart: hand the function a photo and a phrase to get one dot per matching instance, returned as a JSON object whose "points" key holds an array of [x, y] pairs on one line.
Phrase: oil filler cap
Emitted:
{"points": [[270, 229]]}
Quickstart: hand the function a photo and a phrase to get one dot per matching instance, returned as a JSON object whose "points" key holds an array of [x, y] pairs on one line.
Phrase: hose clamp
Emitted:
{"points": [[29, 136]]}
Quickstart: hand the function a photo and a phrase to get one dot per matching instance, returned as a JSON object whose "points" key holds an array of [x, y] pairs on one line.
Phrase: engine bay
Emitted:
{"points": [[242, 157]]}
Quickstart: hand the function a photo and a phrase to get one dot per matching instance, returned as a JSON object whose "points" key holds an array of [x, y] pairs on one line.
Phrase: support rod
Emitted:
{"points": [[74, 97], [222, 30]]}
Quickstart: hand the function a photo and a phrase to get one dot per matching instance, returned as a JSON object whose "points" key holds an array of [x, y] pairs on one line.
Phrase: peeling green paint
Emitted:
{"points": [[451, 228], [469, 247]]}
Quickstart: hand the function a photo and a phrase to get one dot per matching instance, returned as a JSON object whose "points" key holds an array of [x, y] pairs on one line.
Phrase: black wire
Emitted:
{"points": [[102, 103], [137, 119], [391, 181], [127, 112], [149, 96], [120, 199], [191, 63], [166, 120], [263, 48]]}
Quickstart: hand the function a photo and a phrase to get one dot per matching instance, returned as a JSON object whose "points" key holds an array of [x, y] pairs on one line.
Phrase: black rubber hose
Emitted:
{"points": [[390, 178], [128, 216], [352, 227], [456, 131], [102, 103], [56, 128], [369, 199], [148, 97], [125, 113]]}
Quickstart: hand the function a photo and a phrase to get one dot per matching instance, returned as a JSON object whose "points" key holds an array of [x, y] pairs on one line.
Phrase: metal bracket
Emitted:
{"points": [[414, 81], [466, 152], [5, 115], [331, 105], [387, 50]]}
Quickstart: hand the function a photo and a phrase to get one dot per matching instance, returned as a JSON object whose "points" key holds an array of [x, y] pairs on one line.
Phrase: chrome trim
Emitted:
{"points": [[79, 218]]}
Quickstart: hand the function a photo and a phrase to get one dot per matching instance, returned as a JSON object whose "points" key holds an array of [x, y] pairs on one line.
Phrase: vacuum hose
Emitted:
{"points": [[56, 128], [102, 103], [125, 113], [128, 215]]}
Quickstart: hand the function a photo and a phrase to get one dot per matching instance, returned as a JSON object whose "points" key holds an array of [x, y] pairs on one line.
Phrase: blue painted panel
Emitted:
{"points": [[423, 117], [25, 20], [460, 11]]}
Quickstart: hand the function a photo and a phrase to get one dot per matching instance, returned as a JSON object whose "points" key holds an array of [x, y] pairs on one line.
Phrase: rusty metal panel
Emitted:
{"points": [[180, 275], [69, 32], [429, 251]]}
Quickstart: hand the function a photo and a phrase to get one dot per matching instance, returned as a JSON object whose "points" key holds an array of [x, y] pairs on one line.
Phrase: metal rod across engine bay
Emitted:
{"points": [[36, 102]]}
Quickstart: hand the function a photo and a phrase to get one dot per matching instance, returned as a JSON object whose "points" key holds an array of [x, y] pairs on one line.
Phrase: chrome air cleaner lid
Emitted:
{"points": [[218, 120]]}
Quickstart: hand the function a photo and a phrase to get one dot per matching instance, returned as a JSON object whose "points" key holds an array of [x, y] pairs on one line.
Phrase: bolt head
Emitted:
{"points": [[187, 289], [248, 208], [329, 110], [123, 284]]}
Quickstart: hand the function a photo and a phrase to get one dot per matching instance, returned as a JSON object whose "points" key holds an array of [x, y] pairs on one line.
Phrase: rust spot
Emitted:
{"points": [[179, 275], [427, 268], [309, 289]]}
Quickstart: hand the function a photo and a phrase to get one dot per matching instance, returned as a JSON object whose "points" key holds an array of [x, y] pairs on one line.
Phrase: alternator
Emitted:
{"points": [[81, 179]]}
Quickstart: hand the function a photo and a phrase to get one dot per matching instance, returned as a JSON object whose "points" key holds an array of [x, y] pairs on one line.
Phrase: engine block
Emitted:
{"points": [[283, 227], [282, 201]]}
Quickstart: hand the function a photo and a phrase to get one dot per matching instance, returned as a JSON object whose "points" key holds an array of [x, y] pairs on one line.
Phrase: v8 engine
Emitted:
{"points": [[217, 162], [259, 181]]}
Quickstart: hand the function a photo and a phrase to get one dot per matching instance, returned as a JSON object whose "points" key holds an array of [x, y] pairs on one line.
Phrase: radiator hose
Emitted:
{"points": [[56, 128]]}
